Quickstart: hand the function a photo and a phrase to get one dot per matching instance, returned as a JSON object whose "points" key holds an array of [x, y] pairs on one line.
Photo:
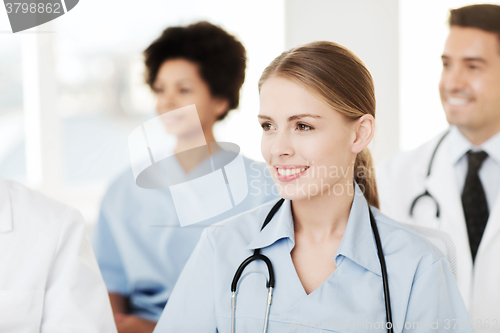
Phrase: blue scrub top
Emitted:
{"points": [[139, 244], [422, 287]]}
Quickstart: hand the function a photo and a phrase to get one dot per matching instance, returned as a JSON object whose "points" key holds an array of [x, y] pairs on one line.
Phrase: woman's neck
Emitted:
{"points": [[323, 217], [195, 156], [194, 139]]}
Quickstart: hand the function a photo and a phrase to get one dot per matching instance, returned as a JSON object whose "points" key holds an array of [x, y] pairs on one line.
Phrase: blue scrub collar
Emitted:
{"points": [[358, 243]]}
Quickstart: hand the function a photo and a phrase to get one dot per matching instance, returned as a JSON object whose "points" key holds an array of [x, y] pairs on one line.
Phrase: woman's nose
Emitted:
{"points": [[282, 145], [166, 102]]}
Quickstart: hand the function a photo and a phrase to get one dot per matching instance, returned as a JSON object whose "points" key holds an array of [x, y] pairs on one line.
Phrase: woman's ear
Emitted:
{"points": [[221, 105], [364, 129]]}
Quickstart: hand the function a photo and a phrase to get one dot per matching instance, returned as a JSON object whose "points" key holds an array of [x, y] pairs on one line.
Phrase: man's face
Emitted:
{"points": [[470, 81]]}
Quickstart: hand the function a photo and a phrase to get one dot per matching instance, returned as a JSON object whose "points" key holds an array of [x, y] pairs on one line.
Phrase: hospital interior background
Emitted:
{"points": [[73, 89]]}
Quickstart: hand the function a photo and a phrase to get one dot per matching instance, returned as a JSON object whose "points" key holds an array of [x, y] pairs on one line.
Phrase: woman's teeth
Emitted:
{"points": [[289, 172]]}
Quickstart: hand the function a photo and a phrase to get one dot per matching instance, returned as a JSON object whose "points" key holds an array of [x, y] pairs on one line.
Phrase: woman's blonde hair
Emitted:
{"points": [[341, 80]]}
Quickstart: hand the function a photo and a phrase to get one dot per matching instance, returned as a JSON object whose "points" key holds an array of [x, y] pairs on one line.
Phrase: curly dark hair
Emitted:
{"points": [[220, 56]]}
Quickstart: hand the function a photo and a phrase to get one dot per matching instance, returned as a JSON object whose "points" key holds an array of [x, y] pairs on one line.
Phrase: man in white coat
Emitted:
{"points": [[49, 278], [458, 191]]}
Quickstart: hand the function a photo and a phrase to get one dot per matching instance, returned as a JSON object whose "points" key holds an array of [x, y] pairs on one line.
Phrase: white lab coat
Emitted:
{"points": [[49, 278], [402, 179]]}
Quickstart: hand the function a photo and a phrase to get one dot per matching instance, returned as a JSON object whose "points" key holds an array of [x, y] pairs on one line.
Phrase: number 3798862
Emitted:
{"points": [[23, 7]]}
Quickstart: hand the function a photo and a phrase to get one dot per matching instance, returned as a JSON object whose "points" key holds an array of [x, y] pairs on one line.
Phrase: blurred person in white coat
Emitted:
{"points": [[49, 277], [452, 182]]}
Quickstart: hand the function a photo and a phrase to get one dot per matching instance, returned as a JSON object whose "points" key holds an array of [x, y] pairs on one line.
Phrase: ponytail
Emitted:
{"points": [[365, 177]]}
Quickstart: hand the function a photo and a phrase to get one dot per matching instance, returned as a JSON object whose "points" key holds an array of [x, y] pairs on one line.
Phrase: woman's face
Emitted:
{"points": [[307, 145], [179, 84]]}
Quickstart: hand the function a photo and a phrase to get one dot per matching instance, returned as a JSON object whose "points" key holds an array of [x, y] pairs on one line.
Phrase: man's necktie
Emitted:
{"points": [[474, 201]]}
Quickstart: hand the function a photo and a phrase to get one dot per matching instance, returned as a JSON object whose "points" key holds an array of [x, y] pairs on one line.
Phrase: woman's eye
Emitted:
{"points": [[304, 127], [157, 90], [184, 91], [267, 126]]}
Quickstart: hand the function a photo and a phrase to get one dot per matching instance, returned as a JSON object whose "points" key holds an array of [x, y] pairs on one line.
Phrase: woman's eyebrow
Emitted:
{"points": [[303, 115], [184, 80], [291, 118], [260, 116]]}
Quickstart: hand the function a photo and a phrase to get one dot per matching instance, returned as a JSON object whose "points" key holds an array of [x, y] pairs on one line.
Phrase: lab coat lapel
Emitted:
{"points": [[442, 185], [5, 208], [486, 271], [492, 227]]}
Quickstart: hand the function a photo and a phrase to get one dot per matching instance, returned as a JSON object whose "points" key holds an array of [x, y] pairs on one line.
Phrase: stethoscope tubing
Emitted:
{"points": [[426, 192], [385, 278], [256, 256]]}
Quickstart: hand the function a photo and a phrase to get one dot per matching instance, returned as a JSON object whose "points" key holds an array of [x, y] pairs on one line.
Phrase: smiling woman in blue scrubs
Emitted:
{"points": [[317, 109], [139, 244]]}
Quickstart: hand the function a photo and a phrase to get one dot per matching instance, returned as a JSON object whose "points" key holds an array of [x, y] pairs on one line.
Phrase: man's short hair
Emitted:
{"points": [[220, 56], [485, 17]]}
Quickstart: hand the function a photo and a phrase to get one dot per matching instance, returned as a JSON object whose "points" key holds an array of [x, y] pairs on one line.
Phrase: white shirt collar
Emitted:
{"points": [[459, 146], [492, 147]]}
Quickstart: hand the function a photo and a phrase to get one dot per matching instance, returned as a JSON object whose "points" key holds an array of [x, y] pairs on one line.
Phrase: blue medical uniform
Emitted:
{"points": [[139, 244], [423, 292]]}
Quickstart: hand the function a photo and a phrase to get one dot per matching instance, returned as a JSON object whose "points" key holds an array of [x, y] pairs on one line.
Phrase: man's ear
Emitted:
{"points": [[364, 129], [221, 106]]}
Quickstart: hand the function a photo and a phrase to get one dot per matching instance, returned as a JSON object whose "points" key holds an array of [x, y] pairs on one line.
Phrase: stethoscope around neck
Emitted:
{"points": [[426, 192], [270, 284]]}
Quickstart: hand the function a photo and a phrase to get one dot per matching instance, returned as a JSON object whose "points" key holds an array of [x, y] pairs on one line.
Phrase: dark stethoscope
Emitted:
{"points": [[270, 285], [426, 193]]}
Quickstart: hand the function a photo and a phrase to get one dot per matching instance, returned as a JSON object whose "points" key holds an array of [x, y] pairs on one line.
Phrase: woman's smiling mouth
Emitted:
{"points": [[286, 173]]}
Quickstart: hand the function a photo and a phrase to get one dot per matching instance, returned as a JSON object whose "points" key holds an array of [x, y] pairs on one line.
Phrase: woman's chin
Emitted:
{"points": [[292, 192]]}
